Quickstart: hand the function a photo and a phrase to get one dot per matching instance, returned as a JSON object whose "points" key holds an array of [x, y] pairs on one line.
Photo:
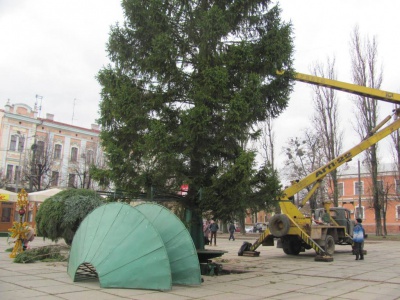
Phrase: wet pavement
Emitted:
{"points": [[272, 275]]}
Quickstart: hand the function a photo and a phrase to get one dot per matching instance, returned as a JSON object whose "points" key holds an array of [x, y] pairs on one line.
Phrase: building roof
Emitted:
{"points": [[352, 169]]}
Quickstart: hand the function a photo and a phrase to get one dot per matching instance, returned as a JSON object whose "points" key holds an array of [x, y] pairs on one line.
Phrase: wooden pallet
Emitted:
{"points": [[251, 253], [324, 258]]}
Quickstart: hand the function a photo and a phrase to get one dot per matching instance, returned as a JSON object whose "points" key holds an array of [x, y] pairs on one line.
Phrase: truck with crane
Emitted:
{"points": [[296, 231]]}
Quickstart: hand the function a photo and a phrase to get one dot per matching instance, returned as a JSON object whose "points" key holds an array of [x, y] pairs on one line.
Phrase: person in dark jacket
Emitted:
{"points": [[231, 229], [358, 239], [213, 229]]}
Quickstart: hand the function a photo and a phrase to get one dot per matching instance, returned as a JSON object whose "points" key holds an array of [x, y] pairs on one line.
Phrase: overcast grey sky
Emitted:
{"points": [[54, 49], [322, 29]]}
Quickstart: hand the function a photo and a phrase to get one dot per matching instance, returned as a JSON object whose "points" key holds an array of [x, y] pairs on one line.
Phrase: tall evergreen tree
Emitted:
{"points": [[187, 82]]}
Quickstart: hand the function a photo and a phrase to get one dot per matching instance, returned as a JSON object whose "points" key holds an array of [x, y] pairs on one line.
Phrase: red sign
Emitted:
{"points": [[184, 190]]}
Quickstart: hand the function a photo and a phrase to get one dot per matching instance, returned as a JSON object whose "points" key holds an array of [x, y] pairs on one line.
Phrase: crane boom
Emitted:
{"points": [[345, 157], [348, 87]]}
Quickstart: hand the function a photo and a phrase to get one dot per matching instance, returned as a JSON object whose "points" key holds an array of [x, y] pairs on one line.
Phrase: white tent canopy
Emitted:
{"points": [[43, 195]]}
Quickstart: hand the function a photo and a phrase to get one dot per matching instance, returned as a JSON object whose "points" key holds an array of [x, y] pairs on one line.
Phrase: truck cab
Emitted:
{"points": [[342, 217]]}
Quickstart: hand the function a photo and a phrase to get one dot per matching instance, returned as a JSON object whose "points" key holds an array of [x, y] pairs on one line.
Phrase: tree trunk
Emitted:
{"points": [[375, 188]]}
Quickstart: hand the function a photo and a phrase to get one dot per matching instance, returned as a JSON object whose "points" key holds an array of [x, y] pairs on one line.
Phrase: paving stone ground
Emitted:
{"points": [[272, 275]]}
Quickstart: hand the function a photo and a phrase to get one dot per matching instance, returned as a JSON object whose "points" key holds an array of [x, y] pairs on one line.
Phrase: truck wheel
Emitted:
{"points": [[291, 245], [329, 245], [279, 225]]}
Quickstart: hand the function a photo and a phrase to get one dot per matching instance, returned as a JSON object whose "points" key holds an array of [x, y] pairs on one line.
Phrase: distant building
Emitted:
{"points": [[36, 150], [360, 204]]}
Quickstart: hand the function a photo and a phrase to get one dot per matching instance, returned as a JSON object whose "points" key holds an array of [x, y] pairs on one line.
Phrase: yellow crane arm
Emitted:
{"points": [[348, 87], [347, 156]]}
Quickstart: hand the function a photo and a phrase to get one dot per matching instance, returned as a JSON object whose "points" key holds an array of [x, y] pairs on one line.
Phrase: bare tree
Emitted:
{"points": [[38, 164], [90, 157], [396, 148], [384, 196], [385, 192], [3, 178], [326, 121], [396, 151], [365, 72], [266, 140], [304, 155]]}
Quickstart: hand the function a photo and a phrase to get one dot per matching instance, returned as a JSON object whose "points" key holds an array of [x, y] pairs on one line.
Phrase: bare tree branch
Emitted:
{"points": [[326, 120]]}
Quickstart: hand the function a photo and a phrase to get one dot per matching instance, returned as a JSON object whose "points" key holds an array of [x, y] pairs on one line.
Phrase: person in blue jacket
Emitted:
{"points": [[358, 239]]}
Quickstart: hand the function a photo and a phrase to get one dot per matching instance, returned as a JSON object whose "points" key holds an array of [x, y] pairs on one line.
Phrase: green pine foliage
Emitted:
{"points": [[45, 254], [60, 215], [187, 83]]}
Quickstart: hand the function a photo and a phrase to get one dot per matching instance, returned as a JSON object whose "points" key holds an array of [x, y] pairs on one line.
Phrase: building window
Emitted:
{"points": [[397, 212], [57, 151], [13, 142], [340, 188], [16, 217], [358, 186], [54, 178], [90, 157], [9, 172], [359, 213], [397, 186], [380, 185], [40, 149], [17, 143], [17, 173], [74, 154], [30, 216], [21, 143], [71, 180], [6, 214]]}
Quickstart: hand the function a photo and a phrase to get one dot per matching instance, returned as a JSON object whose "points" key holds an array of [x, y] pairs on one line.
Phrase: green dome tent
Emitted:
{"points": [[182, 254], [123, 248]]}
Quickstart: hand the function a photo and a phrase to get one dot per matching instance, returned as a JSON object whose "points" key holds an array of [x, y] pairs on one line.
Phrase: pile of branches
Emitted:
{"points": [[51, 253]]}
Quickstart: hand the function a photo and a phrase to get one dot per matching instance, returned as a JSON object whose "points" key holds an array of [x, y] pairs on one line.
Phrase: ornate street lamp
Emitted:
{"points": [[20, 229]]}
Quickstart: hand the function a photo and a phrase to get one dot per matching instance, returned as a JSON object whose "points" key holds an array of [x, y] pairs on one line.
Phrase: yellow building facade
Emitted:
{"points": [[32, 147]]}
